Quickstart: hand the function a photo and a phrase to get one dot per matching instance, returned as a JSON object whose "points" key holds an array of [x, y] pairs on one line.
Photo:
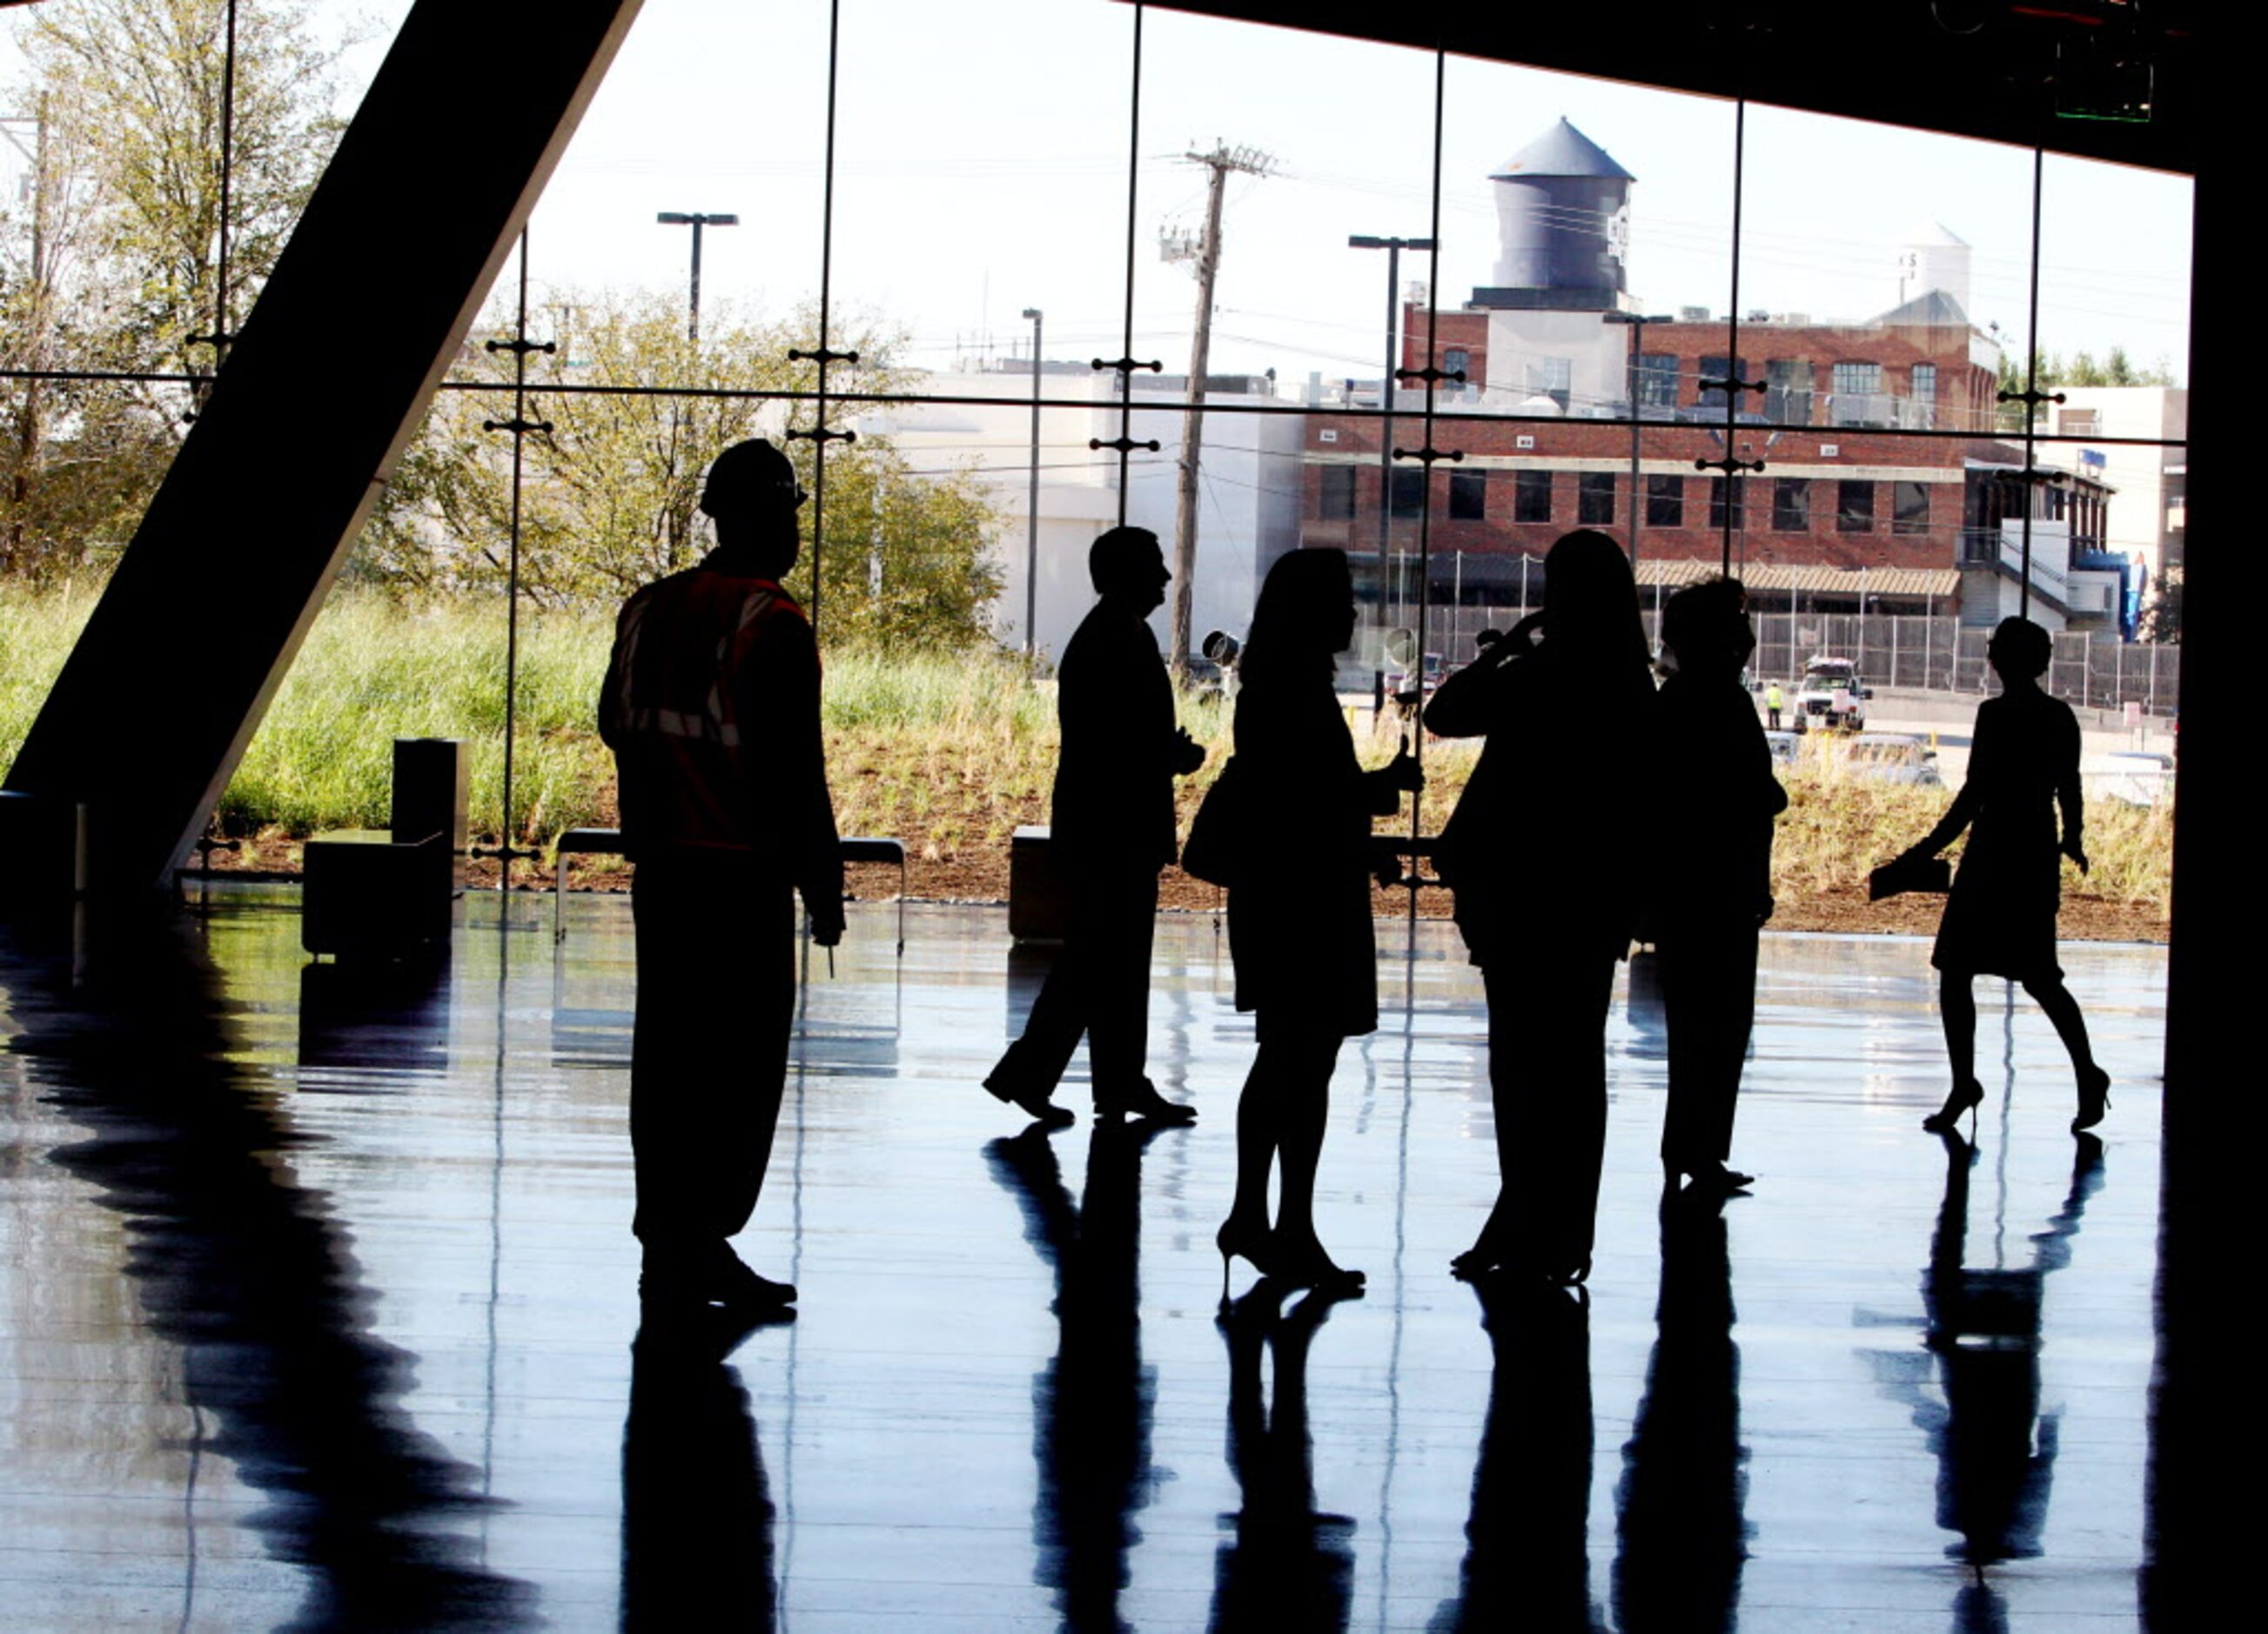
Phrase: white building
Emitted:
{"points": [[2147, 520], [1248, 493]]}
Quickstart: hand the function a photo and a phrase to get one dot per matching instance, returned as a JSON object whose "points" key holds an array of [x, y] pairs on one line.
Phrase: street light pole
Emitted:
{"points": [[1032, 516], [1392, 248], [695, 220]]}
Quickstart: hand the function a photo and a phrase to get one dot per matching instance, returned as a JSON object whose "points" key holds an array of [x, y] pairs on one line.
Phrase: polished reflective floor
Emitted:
{"points": [[317, 1308]]}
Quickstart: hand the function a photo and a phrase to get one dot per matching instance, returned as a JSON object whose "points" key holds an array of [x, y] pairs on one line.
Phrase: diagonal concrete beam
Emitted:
{"points": [[334, 367]]}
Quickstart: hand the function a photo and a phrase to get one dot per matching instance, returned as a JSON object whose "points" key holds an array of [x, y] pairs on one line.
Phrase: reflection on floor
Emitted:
{"points": [[317, 1308]]}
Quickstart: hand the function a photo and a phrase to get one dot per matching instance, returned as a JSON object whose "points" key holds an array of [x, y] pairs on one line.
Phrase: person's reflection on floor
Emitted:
{"points": [[1528, 1560], [1092, 1407], [1682, 1527], [1285, 1564], [1995, 1450], [697, 1511]]}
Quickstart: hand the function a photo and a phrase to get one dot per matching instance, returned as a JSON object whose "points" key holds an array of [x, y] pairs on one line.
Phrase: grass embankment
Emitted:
{"points": [[949, 752]]}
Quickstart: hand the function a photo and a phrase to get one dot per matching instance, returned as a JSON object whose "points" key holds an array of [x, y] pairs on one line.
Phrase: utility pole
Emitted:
{"points": [[1222, 161], [1032, 504]]}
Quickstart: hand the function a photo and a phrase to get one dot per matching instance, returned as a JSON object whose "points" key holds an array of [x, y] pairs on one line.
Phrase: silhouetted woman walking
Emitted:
{"points": [[1539, 854], [1299, 907], [2000, 916]]}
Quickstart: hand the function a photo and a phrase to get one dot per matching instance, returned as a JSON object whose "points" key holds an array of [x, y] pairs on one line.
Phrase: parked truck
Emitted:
{"points": [[1830, 696]]}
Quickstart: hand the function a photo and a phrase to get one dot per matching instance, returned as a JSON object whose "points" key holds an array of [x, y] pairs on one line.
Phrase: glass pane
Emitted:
{"points": [[1315, 141], [110, 260], [2115, 341], [980, 176], [1884, 271]]}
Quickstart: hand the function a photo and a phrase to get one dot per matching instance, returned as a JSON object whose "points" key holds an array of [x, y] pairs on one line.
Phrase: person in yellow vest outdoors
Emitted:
{"points": [[1775, 700], [711, 707]]}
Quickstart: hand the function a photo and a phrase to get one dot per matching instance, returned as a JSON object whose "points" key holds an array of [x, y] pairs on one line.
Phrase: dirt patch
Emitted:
{"points": [[980, 874]]}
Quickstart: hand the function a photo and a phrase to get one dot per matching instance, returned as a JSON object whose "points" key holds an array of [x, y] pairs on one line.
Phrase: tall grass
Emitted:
{"points": [[949, 750]]}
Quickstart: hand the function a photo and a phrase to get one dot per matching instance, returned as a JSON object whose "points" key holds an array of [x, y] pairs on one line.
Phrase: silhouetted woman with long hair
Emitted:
{"points": [[1539, 853], [1299, 908], [2000, 916]]}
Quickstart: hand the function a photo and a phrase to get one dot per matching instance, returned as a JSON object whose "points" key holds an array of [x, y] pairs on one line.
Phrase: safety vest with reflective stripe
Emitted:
{"points": [[687, 650]]}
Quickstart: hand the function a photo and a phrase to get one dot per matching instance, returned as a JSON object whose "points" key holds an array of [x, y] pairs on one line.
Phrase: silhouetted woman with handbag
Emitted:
{"points": [[1298, 906], [1541, 855], [2001, 915]]}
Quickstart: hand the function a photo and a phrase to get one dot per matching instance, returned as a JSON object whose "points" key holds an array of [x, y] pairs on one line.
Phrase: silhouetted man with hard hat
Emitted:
{"points": [[1112, 831], [712, 707]]}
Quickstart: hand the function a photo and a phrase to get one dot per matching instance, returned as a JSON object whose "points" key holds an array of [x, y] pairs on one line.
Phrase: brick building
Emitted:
{"points": [[1883, 479]]}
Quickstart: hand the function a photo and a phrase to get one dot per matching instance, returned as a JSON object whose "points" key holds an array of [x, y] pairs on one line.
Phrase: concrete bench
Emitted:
{"points": [[369, 895], [856, 848]]}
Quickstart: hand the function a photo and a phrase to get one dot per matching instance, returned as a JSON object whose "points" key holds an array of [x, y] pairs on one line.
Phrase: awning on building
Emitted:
{"points": [[1671, 573]]}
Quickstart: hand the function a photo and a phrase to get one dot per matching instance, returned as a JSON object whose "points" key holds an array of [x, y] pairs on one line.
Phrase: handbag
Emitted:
{"points": [[1218, 834], [1910, 872]]}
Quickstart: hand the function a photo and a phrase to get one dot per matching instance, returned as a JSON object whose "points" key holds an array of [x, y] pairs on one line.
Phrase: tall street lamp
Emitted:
{"points": [[1392, 248], [1032, 507], [1636, 323], [695, 220]]}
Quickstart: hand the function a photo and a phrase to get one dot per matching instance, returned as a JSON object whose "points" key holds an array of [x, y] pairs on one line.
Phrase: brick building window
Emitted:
{"points": [[1791, 504], [1854, 506], [1788, 391], [1718, 368], [1531, 496], [1925, 385], [1456, 360], [1664, 502], [1467, 496], [1337, 499], [1409, 492], [1859, 398], [1909, 507], [1726, 496], [1657, 381], [1594, 498]]}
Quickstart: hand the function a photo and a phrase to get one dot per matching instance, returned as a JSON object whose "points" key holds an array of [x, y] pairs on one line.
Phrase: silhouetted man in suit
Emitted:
{"points": [[1113, 830], [712, 707], [1717, 800]]}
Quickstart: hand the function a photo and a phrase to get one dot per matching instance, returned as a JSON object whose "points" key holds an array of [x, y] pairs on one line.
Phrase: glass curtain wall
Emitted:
{"points": [[1006, 273]]}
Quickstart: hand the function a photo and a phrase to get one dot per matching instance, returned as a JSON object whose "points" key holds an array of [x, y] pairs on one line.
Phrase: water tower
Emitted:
{"points": [[1933, 257], [1563, 226]]}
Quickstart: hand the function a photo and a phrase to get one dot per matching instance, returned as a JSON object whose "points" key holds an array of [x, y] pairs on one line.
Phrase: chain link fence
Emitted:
{"points": [[2092, 669]]}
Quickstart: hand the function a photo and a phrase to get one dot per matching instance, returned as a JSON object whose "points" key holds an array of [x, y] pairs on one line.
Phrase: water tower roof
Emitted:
{"points": [[1935, 310], [1562, 150]]}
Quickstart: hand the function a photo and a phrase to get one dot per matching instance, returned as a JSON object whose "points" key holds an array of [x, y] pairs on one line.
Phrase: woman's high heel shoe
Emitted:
{"points": [[1234, 1239], [1961, 1100], [2094, 1098]]}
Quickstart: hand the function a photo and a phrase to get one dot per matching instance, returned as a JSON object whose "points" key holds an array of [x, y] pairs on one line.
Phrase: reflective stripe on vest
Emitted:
{"points": [[680, 646]]}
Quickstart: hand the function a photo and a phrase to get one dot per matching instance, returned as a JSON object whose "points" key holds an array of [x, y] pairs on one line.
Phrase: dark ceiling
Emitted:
{"points": [[1974, 68]]}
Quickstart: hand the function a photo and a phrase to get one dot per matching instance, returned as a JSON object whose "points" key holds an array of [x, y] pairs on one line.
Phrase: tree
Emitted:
{"points": [[609, 494], [114, 262], [2115, 369], [2161, 620]]}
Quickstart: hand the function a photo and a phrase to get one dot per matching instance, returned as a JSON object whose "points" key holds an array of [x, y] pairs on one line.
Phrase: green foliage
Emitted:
{"points": [[2080, 369], [609, 495], [111, 260]]}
